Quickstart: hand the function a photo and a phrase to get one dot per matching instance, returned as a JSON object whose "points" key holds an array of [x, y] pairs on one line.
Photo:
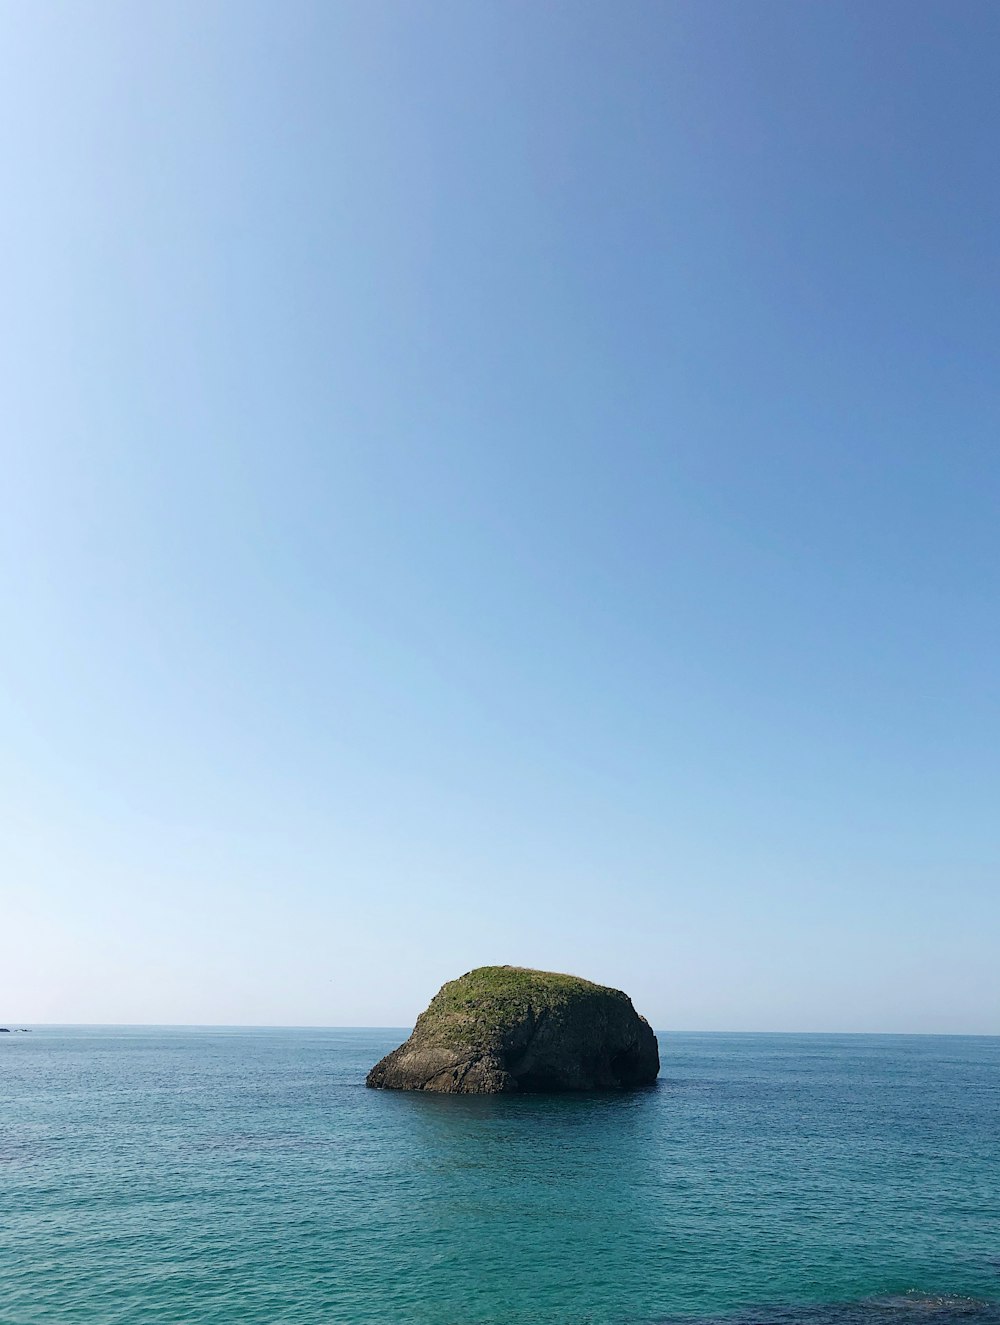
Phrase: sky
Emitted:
{"points": [[500, 482]]}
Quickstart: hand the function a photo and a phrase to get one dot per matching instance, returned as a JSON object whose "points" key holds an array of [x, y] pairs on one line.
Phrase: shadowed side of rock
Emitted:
{"points": [[501, 1029]]}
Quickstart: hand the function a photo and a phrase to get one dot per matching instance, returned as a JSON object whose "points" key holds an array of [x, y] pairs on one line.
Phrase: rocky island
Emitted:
{"points": [[500, 1029]]}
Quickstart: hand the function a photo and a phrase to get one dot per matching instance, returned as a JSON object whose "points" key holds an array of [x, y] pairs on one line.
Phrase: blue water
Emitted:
{"points": [[216, 1177]]}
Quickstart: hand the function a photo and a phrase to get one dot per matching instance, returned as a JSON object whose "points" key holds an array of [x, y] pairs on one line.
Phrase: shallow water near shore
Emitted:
{"points": [[223, 1176]]}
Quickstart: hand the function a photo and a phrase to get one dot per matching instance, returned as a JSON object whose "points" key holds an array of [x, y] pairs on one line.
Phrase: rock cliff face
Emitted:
{"points": [[500, 1029]]}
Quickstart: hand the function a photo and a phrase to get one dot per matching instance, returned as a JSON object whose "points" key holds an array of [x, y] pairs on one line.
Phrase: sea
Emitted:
{"points": [[247, 1177]]}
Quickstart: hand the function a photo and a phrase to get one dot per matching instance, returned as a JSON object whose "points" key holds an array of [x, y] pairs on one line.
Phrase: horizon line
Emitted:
{"points": [[15, 1026]]}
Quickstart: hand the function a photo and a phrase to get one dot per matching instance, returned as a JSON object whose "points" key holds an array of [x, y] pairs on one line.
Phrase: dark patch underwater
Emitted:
{"points": [[897, 1309]]}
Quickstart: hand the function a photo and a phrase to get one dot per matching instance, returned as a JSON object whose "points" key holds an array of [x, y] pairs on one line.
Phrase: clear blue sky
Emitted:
{"points": [[501, 482]]}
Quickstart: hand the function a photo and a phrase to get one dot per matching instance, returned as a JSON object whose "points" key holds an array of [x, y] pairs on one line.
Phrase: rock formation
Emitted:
{"points": [[500, 1029]]}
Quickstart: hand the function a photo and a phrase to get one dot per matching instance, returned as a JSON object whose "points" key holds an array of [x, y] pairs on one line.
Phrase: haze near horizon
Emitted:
{"points": [[500, 483]]}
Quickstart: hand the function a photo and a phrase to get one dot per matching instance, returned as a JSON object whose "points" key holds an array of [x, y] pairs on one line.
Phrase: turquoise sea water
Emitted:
{"points": [[227, 1176]]}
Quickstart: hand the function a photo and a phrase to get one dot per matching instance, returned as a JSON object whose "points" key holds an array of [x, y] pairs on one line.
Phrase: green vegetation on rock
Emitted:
{"points": [[478, 1004]]}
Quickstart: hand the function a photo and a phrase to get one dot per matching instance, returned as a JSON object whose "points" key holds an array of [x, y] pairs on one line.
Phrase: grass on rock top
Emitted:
{"points": [[482, 1001]]}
